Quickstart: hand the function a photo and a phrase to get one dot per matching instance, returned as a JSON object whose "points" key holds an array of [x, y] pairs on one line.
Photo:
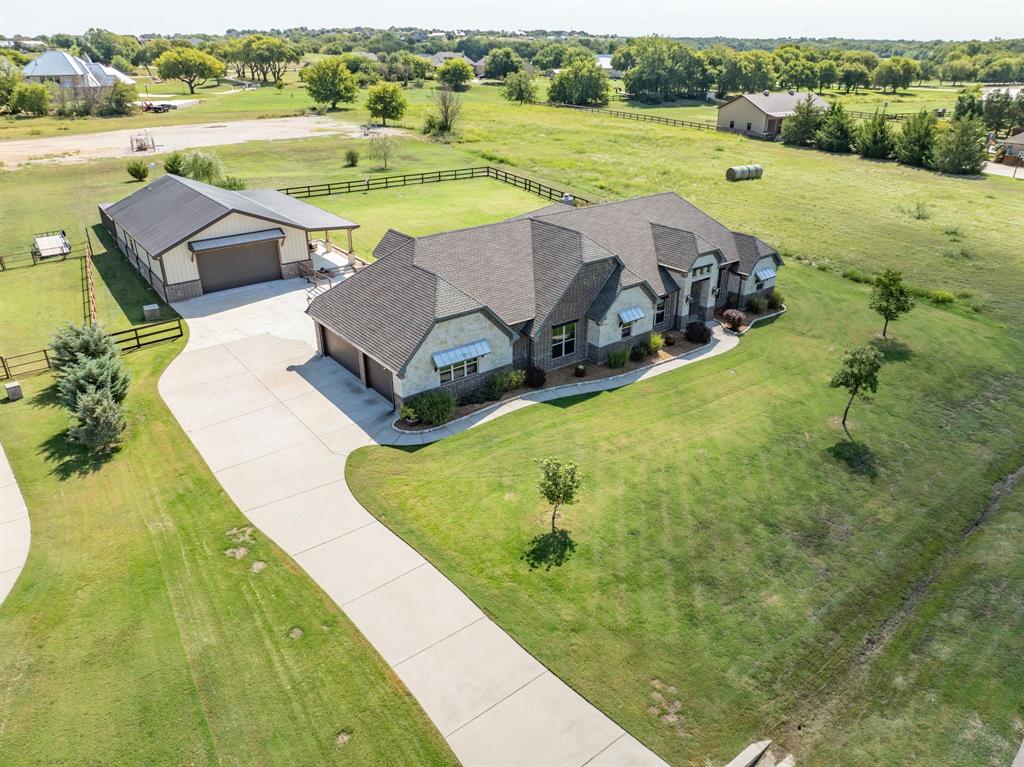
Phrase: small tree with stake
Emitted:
{"points": [[858, 375], [890, 297], [559, 484]]}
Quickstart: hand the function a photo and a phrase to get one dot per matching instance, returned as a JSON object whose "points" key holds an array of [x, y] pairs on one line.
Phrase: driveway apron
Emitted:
{"points": [[275, 423]]}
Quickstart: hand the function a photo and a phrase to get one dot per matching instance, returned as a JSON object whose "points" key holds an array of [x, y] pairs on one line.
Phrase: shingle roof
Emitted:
{"points": [[57, 64], [172, 209], [779, 103], [519, 269]]}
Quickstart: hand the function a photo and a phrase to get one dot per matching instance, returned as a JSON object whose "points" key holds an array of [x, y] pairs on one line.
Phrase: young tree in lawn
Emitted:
{"points": [[915, 141], [454, 73], [386, 101], [447, 111], [837, 131], [960, 149], [874, 138], [858, 375], [383, 148], [559, 484], [799, 128], [328, 81], [890, 298], [502, 62], [189, 65], [520, 87]]}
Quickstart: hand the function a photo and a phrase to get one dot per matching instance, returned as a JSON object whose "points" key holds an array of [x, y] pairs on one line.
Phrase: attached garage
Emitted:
{"points": [[341, 351], [236, 260], [379, 379]]}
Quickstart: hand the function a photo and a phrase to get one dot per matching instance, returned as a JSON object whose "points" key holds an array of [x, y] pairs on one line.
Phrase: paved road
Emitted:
{"points": [[83, 147], [275, 423], [15, 532]]}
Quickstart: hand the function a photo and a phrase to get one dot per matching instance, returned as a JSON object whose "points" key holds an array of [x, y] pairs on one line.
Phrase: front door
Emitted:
{"points": [[698, 299]]}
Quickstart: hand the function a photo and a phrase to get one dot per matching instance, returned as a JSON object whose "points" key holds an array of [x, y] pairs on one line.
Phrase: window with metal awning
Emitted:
{"points": [[462, 353], [631, 314], [766, 274]]}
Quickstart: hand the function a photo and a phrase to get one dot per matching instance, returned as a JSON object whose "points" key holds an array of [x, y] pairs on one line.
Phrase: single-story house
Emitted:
{"points": [[604, 60], [188, 238], [437, 59], [1014, 147], [72, 72], [549, 288], [762, 114]]}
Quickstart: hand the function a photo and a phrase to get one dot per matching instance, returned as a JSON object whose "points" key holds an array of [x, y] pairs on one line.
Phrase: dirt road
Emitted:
{"points": [[93, 146]]}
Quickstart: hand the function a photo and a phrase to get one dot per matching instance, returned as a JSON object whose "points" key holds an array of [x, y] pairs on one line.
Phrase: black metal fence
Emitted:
{"points": [[371, 183], [128, 340]]}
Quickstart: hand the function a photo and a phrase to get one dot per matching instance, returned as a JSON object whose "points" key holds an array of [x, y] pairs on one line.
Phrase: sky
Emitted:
{"points": [[890, 19]]}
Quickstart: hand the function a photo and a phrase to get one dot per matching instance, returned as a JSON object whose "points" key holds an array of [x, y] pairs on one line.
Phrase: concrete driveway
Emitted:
{"points": [[275, 424]]}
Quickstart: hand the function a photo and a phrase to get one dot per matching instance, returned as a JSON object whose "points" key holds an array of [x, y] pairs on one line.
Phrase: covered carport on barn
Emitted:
{"points": [[188, 238]]}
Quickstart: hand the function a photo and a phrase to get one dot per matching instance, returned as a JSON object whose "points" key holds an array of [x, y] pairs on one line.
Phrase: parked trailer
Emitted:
{"points": [[744, 172]]}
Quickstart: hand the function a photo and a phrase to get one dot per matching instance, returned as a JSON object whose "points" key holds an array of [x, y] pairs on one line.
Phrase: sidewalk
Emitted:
{"points": [[15, 532]]}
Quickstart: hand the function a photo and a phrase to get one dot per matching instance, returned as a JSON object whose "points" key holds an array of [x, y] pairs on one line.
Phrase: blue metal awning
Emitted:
{"points": [[231, 240], [461, 353], [631, 314], [765, 274]]}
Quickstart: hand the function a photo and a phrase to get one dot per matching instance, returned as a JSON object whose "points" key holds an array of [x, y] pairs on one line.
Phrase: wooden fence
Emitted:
{"points": [[429, 177], [129, 340], [90, 285]]}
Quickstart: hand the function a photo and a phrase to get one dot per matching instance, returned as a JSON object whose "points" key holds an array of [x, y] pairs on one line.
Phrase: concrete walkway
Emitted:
{"points": [[15, 531], [275, 423]]}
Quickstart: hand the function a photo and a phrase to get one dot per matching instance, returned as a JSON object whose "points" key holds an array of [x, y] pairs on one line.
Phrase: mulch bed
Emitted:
{"points": [[567, 375]]}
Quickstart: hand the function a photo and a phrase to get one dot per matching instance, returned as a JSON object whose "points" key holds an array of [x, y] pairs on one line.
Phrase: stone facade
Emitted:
{"points": [[184, 291], [290, 270]]}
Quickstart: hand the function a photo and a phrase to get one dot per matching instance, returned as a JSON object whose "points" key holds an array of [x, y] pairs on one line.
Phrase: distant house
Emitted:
{"points": [[72, 72], [604, 60], [762, 114], [188, 238], [366, 55], [437, 59], [1014, 146], [549, 288]]}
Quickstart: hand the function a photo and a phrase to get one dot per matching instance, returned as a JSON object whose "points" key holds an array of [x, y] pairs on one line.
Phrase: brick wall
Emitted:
{"points": [[599, 354], [573, 306]]}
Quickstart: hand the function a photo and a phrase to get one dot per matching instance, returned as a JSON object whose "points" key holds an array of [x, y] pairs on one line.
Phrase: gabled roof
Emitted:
{"points": [[108, 75], [172, 209], [437, 59], [779, 103], [60, 64]]}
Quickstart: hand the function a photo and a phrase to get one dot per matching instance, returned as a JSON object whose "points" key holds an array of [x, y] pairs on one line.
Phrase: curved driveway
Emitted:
{"points": [[275, 423]]}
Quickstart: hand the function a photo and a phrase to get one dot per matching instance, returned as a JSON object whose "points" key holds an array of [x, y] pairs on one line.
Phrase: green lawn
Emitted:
{"points": [[731, 542]]}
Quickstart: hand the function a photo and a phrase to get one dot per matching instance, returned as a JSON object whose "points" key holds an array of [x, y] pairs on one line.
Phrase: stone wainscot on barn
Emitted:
{"points": [[550, 288], [188, 238]]}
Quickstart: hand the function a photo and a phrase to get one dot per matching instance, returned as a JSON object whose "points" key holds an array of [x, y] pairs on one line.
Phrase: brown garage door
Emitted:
{"points": [[241, 265], [341, 351], [379, 378]]}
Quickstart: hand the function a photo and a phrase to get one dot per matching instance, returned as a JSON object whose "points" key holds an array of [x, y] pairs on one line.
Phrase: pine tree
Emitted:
{"points": [[874, 138], [92, 374], [71, 341], [961, 148], [914, 143], [837, 130], [799, 128], [100, 421]]}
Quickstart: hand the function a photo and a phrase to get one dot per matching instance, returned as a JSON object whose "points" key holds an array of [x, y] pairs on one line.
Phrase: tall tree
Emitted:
{"points": [[520, 87], [455, 73], [960, 149], [582, 83], [997, 110], [858, 375], [387, 102], [328, 81], [799, 128], [189, 65], [837, 131], [915, 141], [890, 298], [853, 76], [501, 62], [874, 138], [828, 74]]}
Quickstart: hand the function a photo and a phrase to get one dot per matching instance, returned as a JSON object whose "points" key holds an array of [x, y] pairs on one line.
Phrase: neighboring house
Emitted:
{"points": [[604, 60], [367, 55], [762, 114], [188, 238], [72, 72], [1014, 146], [437, 59], [549, 288]]}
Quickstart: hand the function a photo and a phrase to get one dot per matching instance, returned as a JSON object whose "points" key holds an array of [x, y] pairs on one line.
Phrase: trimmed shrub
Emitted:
{"points": [[475, 397], [408, 413], [72, 341], [138, 169], [174, 163], [617, 358], [734, 318], [510, 380], [654, 343], [92, 374], [757, 304], [434, 407], [351, 158], [231, 182], [580, 370], [941, 297], [536, 377], [637, 353], [698, 333], [100, 421], [775, 299], [491, 389]]}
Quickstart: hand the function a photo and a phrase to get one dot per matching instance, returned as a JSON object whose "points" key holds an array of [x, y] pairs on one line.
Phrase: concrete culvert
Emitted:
{"points": [[744, 172]]}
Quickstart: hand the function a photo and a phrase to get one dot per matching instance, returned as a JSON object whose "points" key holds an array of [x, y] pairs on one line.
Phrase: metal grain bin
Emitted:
{"points": [[744, 172]]}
